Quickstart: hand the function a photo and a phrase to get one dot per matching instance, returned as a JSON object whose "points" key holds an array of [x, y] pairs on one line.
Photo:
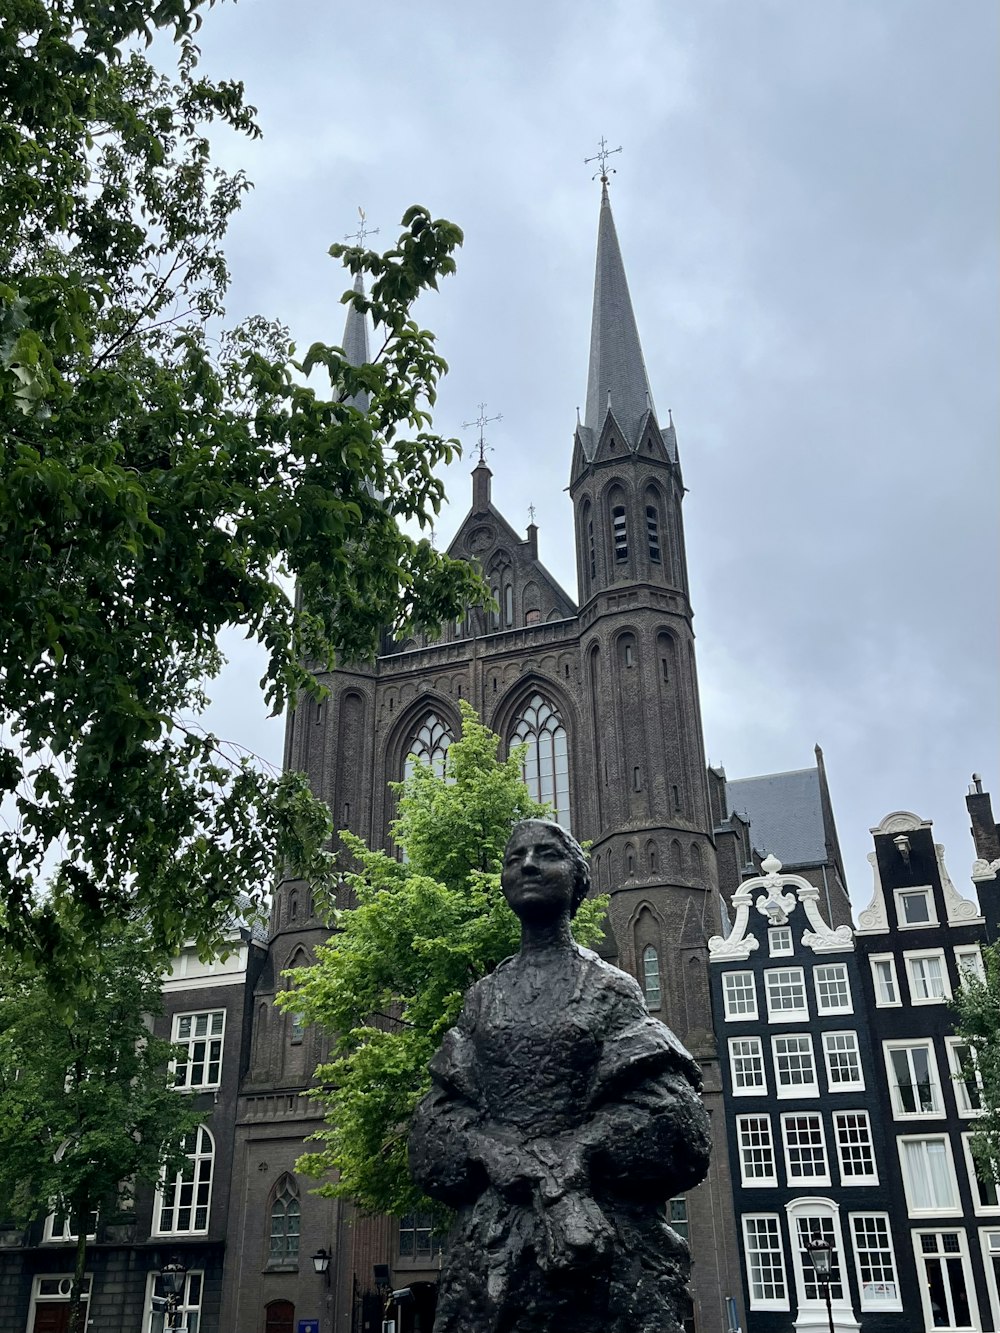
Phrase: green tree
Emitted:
{"points": [[389, 983], [976, 1005], [164, 477], [88, 1108]]}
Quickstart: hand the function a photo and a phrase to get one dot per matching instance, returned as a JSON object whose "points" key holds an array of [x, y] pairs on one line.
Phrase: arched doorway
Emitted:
{"points": [[279, 1317]]}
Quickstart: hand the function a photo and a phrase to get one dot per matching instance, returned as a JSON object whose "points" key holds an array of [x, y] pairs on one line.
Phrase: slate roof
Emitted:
{"points": [[616, 364], [785, 811]]}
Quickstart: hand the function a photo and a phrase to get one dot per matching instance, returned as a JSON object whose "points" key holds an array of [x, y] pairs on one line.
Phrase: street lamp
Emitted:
{"points": [[172, 1276], [820, 1253], [321, 1263]]}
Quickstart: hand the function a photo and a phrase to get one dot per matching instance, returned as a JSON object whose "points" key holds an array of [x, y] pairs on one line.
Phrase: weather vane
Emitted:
{"points": [[531, 512], [602, 156], [482, 421], [362, 231]]}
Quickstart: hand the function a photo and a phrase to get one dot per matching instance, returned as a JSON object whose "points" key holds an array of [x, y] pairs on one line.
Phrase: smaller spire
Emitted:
{"points": [[355, 342]]}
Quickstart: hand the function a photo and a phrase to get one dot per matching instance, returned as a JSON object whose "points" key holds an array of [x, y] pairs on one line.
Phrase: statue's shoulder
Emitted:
{"points": [[609, 978]]}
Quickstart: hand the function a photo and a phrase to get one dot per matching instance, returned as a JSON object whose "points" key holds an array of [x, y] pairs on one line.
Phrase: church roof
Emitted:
{"points": [[617, 376], [785, 811]]}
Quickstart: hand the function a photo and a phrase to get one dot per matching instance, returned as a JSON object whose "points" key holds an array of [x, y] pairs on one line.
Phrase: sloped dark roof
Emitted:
{"points": [[785, 811]]}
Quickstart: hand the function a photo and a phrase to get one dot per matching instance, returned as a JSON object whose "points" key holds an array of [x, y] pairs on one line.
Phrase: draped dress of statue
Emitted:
{"points": [[560, 1119]]}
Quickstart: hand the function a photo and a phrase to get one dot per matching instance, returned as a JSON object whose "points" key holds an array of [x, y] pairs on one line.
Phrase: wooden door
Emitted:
{"points": [[279, 1317], [52, 1317]]}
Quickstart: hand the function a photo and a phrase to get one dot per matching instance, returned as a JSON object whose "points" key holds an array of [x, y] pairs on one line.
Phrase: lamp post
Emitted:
{"points": [[172, 1276], [820, 1253], [321, 1263]]}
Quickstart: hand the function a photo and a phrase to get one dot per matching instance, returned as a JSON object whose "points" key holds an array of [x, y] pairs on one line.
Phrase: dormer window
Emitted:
{"points": [[620, 532]]}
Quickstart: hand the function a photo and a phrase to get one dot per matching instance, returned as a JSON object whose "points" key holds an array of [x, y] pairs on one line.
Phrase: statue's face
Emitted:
{"points": [[538, 876]]}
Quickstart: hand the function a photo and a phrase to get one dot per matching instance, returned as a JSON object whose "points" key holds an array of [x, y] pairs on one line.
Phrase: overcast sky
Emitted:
{"points": [[807, 202]]}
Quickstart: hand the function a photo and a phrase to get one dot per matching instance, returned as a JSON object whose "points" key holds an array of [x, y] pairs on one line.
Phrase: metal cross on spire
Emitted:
{"points": [[362, 231], [601, 156], [482, 421], [531, 512]]}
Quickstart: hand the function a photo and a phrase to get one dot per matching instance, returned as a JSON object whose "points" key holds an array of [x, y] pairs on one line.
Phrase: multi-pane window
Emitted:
{"points": [[200, 1066], [286, 1218], [928, 1175], [805, 1149], [188, 1309], [765, 1263], [653, 533], [984, 1179], [843, 1062], [651, 976], [965, 1076], [913, 1079], [786, 993], [875, 1261], [546, 760], [946, 1284], [915, 907], [855, 1151], [833, 989], [779, 941], [429, 746], [969, 962], [753, 1133], [886, 985], [928, 977], [184, 1200], [990, 1241], [416, 1237], [808, 1227], [677, 1215], [746, 1061], [739, 995], [620, 532], [794, 1066], [60, 1226]]}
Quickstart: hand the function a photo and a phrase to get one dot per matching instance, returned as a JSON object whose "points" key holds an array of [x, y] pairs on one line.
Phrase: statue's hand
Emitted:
{"points": [[577, 1234], [511, 1171]]}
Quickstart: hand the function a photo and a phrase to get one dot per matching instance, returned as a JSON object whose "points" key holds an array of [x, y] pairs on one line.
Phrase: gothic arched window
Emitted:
{"points": [[286, 1216], [429, 746], [546, 762], [651, 976]]}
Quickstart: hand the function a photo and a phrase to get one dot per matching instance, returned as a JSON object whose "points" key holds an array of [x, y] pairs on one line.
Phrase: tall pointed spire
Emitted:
{"points": [[617, 378], [356, 342]]}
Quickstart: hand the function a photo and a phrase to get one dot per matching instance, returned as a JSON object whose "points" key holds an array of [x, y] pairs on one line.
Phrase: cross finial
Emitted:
{"points": [[363, 230], [531, 513], [601, 156], [482, 421]]}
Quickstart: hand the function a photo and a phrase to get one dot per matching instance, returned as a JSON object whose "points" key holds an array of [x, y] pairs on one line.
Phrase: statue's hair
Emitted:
{"points": [[576, 854]]}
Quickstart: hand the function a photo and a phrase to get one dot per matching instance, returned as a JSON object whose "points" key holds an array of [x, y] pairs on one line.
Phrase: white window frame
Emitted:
{"points": [[821, 1008], [57, 1228], [818, 1209], [757, 1089], [922, 1283], [743, 1123], [912, 956], [780, 943], [786, 1091], [850, 1179], [816, 1120], [834, 1085], [178, 1182], [65, 1281], [912, 891], [796, 1015], [958, 1081], [732, 1016], [185, 1308], [766, 1302], [969, 960], [936, 1209], [190, 1042], [922, 1043], [978, 1207], [869, 1302], [989, 1243], [888, 958]]}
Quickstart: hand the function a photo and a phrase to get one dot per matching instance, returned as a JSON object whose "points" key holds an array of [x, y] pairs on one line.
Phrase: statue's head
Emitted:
{"points": [[543, 853]]}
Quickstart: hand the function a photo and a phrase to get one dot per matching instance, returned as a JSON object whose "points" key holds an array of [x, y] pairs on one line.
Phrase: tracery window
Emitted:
{"points": [[283, 1246], [546, 761], [429, 746]]}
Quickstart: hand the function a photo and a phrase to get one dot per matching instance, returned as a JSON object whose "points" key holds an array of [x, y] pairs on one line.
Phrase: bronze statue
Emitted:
{"points": [[560, 1120]]}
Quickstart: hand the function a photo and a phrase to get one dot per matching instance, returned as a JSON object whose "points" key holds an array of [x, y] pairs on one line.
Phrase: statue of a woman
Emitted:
{"points": [[560, 1120]]}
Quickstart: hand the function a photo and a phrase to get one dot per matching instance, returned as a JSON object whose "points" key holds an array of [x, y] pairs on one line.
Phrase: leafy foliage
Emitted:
{"points": [[163, 478], [390, 982], [977, 1008], [87, 1104]]}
